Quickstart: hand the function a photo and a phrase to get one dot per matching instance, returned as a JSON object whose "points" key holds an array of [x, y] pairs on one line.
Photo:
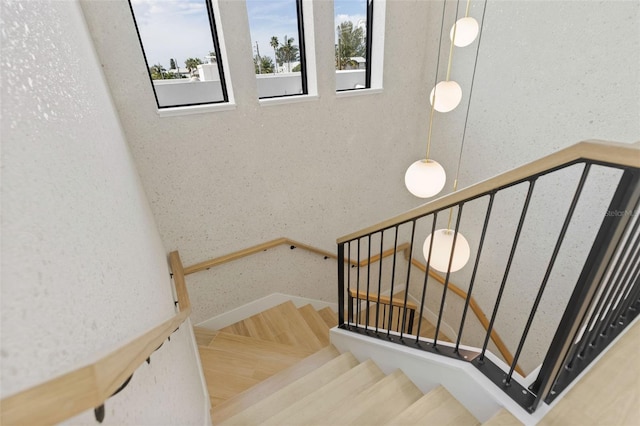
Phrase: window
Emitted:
{"points": [[359, 44], [278, 42], [181, 50]]}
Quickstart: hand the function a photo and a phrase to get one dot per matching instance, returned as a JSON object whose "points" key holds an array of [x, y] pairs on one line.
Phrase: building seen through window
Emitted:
{"points": [[277, 37], [181, 50], [353, 23]]}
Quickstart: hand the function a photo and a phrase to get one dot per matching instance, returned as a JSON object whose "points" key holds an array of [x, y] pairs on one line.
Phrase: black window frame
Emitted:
{"points": [[368, 47], [216, 47], [302, 53]]}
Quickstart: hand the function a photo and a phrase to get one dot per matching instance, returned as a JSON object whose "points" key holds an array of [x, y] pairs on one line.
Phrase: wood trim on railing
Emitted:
{"points": [[385, 300], [178, 278], [402, 247], [90, 386], [495, 337], [607, 152], [278, 242]]}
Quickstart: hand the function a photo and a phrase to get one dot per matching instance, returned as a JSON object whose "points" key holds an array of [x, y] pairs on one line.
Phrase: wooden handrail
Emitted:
{"points": [[606, 152], [385, 300], [494, 336], [90, 386], [201, 266]]}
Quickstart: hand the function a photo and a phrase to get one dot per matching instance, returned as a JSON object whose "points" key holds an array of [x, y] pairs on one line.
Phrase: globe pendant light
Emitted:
{"points": [[449, 92], [466, 31], [425, 178], [441, 250], [449, 96]]}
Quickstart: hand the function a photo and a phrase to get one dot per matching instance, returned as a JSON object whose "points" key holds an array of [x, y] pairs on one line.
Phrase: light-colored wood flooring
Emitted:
{"points": [[266, 370], [609, 394], [277, 367]]}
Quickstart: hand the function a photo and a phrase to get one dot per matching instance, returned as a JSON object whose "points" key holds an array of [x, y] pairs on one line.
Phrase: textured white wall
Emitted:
{"points": [[550, 73], [223, 181], [83, 266]]}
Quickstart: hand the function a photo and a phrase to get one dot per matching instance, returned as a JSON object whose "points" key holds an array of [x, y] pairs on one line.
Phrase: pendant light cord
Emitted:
{"points": [[466, 118], [453, 42], [433, 102]]}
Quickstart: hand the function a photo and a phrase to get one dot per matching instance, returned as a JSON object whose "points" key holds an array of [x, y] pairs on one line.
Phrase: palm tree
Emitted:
{"points": [[157, 72], [287, 52], [192, 64], [263, 64], [274, 43], [351, 43]]}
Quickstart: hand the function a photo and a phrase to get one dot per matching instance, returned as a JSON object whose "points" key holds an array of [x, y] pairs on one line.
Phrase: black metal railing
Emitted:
{"points": [[605, 298]]}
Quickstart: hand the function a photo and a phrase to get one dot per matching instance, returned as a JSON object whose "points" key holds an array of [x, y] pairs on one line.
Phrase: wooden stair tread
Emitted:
{"points": [[440, 407], [239, 328], [233, 384], [329, 397], [232, 343], [281, 399], [315, 323], [203, 335], [267, 387], [329, 317], [282, 324], [503, 418], [233, 364], [379, 403]]}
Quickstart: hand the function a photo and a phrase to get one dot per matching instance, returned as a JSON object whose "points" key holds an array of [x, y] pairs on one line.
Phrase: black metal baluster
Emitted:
{"points": [[475, 269], [633, 294], [412, 319], [448, 275], [599, 299], [358, 319], [350, 316], [620, 266], [552, 261], [426, 277], [632, 245], [611, 321], [341, 284], [393, 278], [384, 312], [406, 288], [633, 297], [366, 324], [379, 281], [548, 383], [523, 215]]}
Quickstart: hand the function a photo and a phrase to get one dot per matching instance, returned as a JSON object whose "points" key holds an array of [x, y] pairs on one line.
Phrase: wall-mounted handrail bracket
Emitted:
{"points": [[98, 412]]}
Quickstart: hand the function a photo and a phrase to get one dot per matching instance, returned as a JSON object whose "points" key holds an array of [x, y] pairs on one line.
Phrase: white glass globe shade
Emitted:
{"points": [[448, 95], [442, 243], [466, 31], [425, 178]]}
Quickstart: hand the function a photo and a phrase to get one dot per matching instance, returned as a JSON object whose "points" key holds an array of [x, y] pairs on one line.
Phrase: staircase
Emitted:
{"points": [[278, 368]]}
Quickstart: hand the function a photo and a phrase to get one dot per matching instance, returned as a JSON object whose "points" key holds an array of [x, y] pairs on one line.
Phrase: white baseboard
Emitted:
{"points": [[257, 306], [206, 416]]}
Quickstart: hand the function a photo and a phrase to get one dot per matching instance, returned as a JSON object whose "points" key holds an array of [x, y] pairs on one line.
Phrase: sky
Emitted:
{"points": [[180, 28]]}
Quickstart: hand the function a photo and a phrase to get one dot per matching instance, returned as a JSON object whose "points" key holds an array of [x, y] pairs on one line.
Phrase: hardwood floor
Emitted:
{"points": [[261, 371]]}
